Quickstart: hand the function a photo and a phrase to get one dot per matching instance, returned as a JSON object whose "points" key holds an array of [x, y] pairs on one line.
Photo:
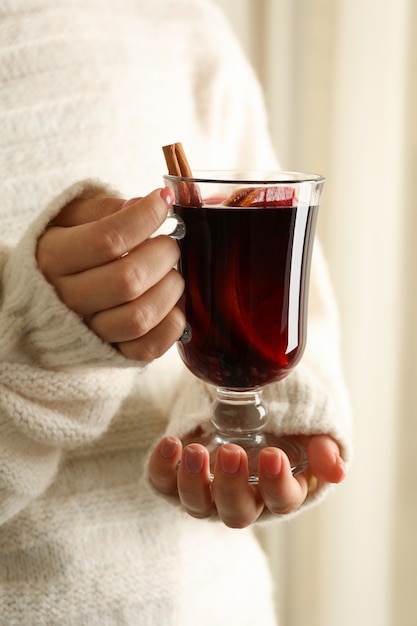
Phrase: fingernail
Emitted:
{"points": [[271, 463], [341, 464], [229, 459], [168, 447], [167, 196], [129, 202], [193, 459]]}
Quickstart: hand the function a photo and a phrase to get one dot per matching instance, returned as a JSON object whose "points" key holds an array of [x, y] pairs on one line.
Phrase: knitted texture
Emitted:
{"points": [[89, 92]]}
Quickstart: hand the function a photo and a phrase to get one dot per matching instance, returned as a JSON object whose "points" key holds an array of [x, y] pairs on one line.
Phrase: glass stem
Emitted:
{"points": [[238, 415]]}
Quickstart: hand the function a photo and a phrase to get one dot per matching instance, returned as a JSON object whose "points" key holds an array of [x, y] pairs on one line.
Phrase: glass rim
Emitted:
{"points": [[248, 177]]}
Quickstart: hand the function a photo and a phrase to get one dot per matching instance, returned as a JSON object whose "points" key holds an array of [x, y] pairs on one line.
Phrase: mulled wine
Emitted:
{"points": [[246, 273]]}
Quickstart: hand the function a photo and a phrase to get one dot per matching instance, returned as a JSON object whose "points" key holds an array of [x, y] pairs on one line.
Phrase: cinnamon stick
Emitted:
{"points": [[176, 160], [177, 163]]}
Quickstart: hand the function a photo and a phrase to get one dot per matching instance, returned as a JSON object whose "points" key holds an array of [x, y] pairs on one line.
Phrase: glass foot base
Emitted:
{"points": [[253, 444]]}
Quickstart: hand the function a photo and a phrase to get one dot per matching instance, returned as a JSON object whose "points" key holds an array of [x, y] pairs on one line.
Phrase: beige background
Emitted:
{"points": [[340, 85]]}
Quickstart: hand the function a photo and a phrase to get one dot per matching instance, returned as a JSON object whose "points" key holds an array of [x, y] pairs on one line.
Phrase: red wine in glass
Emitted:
{"points": [[246, 273]]}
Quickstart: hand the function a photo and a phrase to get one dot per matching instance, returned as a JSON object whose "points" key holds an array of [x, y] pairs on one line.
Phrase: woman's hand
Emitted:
{"points": [[173, 469], [99, 256]]}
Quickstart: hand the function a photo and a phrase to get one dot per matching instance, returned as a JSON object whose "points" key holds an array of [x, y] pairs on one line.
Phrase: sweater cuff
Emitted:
{"points": [[54, 335]]}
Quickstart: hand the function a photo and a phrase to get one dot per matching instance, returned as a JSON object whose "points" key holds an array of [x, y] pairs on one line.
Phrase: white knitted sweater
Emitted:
{"points": [[91, 89]]}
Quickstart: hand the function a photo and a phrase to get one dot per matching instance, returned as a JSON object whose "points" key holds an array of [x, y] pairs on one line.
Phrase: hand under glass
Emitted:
{"points": [[186, 472]]}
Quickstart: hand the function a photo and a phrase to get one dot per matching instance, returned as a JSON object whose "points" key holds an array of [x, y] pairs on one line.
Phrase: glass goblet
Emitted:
{"points": [[245, 259]]}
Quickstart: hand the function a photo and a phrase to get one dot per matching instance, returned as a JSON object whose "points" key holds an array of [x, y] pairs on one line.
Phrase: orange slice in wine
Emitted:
{"points": [[262, 197]]}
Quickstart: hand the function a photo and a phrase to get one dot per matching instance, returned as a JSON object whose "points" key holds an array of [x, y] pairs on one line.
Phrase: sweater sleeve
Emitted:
{"points": [[60, 385]]}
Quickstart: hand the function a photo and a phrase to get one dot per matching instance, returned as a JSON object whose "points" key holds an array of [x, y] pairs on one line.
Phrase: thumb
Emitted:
{"points": [[324, 459]]}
